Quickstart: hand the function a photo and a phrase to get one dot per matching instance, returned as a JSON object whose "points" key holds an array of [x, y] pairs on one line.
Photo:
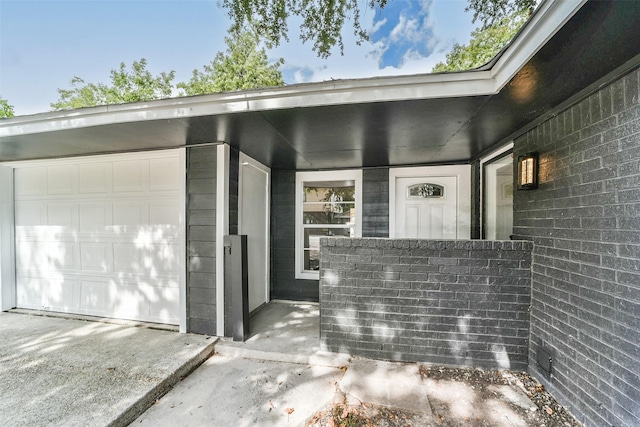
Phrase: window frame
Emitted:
{"points": [[322, 176]]}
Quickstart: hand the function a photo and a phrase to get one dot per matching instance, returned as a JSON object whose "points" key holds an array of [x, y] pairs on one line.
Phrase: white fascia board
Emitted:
{"points": [[422, 86]]}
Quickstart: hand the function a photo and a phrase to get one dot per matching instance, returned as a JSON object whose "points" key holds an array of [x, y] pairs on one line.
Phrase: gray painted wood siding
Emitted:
{"points": [[201, 240], [375, 202], [284, 284]]}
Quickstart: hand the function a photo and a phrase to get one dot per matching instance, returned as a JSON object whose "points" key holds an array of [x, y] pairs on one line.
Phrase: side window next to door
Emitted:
{"points": [[327, 204]]}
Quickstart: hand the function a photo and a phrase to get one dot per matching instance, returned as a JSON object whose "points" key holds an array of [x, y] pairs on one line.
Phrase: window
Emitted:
{"points": [[497, 177], [327, 204]]}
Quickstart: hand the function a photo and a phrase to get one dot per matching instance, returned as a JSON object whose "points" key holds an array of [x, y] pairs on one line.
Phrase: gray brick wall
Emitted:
{"points": [[461, 303], [585, 221], [201, 240]]}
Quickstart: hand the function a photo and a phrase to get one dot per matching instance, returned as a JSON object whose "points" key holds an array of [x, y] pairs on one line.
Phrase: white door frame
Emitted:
{"points": [[464, 192], [7, 219], [245, 160], [7, 241], [222, 228]]}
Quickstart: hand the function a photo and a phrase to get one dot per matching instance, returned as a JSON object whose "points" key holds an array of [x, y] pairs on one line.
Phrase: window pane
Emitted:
{"points": [[329, 202], [327, 213], [334, 190]]}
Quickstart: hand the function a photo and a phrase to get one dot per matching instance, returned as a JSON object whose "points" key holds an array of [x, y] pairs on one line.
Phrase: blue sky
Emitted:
{"points": [[43, 44]]}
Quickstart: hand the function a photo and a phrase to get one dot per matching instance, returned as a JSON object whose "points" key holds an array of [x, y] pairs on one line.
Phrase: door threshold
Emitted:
{"points": [[294, 302], [86, 318]]}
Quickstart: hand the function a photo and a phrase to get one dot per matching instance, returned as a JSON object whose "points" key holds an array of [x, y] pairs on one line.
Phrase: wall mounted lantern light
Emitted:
{"points": [[528, 171]]}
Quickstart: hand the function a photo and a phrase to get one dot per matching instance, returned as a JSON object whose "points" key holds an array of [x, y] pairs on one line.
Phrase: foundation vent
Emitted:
{"points": [[545, 360]]}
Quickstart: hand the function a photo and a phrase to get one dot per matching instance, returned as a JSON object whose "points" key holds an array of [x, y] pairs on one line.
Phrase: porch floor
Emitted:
{"points": [[284, 331]]}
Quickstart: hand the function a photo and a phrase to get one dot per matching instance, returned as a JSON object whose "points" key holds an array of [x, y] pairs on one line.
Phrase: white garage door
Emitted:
{"points": [[100, 236]]}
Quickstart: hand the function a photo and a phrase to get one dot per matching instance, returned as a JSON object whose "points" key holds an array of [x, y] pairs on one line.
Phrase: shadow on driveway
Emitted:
{"points": [[63, 372]]}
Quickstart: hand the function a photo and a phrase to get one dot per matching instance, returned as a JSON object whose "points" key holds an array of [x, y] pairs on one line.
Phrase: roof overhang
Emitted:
{"points": [[419, 119]]}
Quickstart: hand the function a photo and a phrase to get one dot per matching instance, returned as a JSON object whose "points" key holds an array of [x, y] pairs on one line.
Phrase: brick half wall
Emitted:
{"points": [[451, 302]]}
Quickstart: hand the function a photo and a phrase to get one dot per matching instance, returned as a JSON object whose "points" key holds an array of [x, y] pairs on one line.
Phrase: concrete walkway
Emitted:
{"points": [[235, 391], [279, 377], [62, 372]]}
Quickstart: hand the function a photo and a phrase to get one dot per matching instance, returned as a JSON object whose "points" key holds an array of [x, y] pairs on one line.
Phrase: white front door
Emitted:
{"points": [[430, 202], [253, 205]]}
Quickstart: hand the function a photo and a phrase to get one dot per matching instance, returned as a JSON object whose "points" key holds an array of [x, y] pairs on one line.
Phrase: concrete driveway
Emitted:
{"points": [[62, 372]]}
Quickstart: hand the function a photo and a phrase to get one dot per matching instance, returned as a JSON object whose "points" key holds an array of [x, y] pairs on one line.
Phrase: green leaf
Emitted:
{"points": [[6, 110]]}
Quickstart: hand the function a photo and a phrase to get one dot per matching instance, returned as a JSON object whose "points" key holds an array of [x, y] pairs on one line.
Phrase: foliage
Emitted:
{"points": [[322, 20], [126, 86], [6, 109], [485, 43], [490, 12], [242, 66]]}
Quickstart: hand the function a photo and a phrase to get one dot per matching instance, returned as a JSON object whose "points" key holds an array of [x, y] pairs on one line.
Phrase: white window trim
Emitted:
{"points": [[301, 178]]}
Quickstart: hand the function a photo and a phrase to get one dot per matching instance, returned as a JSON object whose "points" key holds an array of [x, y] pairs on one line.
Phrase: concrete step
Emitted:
{"points": [[319, 358]]}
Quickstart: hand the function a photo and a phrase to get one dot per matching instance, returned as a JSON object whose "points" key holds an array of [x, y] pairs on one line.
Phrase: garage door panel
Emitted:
{"points": [[95, 217], [94, 178], [46, 257], [100, 237], [64, 295], [94, 297], [163, 212], [165, 306], [130, 215], [130, 176], [164, 175], [166, 258], [62, 214], [129, 302], [62, 179], [30, 182], [32, 293], [29, 214], [153, 260], [127, 258], [96, 257]]}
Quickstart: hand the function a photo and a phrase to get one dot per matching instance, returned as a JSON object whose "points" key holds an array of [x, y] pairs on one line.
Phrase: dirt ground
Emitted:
{"points": [[546, 412]]}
